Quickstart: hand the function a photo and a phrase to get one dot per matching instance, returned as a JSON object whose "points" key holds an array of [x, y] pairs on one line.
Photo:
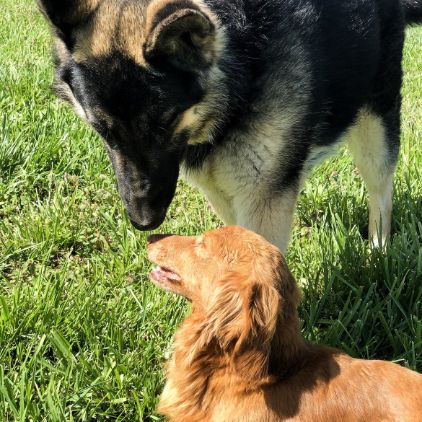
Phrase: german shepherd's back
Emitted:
{"points": [[242, 96]]}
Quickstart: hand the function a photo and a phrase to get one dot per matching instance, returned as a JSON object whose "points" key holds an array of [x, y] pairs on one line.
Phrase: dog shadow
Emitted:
{"points": [[364, 300], [286, 399]]}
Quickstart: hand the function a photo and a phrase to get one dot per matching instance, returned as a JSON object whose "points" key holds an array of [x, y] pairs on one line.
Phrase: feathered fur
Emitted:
{"points": [[239, 356]]}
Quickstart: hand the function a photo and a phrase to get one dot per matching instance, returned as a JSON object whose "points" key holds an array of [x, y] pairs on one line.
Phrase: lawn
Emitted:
{"points": [[83, 334]]}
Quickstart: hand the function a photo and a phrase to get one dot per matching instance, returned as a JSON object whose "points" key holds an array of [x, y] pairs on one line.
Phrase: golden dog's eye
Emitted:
{"points": [[200, 242], [200, 249]]}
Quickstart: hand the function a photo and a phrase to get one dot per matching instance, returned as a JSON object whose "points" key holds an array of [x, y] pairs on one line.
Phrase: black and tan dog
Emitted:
{"points": [[243, 96]]}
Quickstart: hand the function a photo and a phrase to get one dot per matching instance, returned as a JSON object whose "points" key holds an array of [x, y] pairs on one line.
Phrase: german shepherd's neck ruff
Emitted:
{"points": [[242, 96]]}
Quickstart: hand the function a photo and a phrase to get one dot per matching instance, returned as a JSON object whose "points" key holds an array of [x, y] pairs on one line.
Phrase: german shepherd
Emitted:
{"points": [[243, 97]]}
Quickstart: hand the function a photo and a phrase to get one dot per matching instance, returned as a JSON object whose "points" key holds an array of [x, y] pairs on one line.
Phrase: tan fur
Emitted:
{"points": [[366, 141], [245, 199], [157, 5], [82, 9], [196, 121], [126, 26], [240, 357], [114, 26], [202, 120]]}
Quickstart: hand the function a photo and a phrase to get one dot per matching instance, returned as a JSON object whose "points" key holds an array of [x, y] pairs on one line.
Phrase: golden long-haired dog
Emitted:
{"points": [[239, 356]]}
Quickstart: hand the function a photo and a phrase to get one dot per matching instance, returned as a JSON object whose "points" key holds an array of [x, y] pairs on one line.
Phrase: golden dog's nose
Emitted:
{"points": [[156, 237]]}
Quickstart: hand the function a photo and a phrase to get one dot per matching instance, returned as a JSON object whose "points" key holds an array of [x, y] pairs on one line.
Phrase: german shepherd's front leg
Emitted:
{"points": [[253, 205], [374, 142], [268, 214]]}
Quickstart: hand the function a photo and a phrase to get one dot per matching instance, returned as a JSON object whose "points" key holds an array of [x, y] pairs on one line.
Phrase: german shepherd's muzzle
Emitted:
{"points": [[146, 187], [135, 114]]}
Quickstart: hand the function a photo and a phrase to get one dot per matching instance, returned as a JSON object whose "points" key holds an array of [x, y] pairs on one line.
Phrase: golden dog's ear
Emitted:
{"points": [[251, 354], [180, 32], [243, 321], [68, 15]]}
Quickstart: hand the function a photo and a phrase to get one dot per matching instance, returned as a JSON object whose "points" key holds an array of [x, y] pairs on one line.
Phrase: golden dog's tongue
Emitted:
{"points": [[163, 274]]}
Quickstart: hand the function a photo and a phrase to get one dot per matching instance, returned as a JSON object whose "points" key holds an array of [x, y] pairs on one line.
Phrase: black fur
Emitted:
{"points": [[355, 50], [412, 11]]}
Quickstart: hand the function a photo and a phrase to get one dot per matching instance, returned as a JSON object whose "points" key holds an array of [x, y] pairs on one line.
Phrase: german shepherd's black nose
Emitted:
{"points": [[146, 226], [144, 217], [147, 222]]}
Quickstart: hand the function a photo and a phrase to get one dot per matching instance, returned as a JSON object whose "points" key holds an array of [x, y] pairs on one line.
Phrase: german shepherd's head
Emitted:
{"points": [[145, 75]]}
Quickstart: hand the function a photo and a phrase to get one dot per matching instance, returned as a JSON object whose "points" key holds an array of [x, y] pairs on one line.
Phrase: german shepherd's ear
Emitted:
{"points": [[68, 15], [182, 33], [243, 319]]}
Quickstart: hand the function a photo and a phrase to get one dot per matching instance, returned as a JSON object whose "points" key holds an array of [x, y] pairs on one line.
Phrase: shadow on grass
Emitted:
{"points": [[369, 302]]}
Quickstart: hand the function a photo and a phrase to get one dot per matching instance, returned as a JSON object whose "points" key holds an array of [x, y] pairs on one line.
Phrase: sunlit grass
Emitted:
{"points": [[83, 334]]}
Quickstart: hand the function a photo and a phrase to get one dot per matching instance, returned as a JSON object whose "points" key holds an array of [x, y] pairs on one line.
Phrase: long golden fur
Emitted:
{"points": [[239, 356]]}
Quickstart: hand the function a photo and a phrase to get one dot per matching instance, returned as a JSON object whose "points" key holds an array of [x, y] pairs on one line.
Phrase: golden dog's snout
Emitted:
{"points": [[152, 238]]}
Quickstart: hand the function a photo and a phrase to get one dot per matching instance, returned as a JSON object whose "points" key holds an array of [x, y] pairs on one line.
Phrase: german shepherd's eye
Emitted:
{"points": [[67, 76], [101, 128], [63, 86], [64, 73], [172, 118]]}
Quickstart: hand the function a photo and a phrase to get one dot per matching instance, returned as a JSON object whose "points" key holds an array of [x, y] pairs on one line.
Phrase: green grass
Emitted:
{"points": [[83, 334]]}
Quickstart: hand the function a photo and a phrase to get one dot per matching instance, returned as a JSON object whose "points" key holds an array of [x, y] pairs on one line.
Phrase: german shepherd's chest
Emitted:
{"points": [[242, 171]]}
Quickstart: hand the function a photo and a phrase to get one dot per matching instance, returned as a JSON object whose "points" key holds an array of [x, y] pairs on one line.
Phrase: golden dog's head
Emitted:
{"points": [[241, 286]]}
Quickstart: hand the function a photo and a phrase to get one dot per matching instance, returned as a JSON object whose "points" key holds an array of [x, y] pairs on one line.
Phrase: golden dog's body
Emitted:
{"points": [[240, 357], [330, 388]]}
